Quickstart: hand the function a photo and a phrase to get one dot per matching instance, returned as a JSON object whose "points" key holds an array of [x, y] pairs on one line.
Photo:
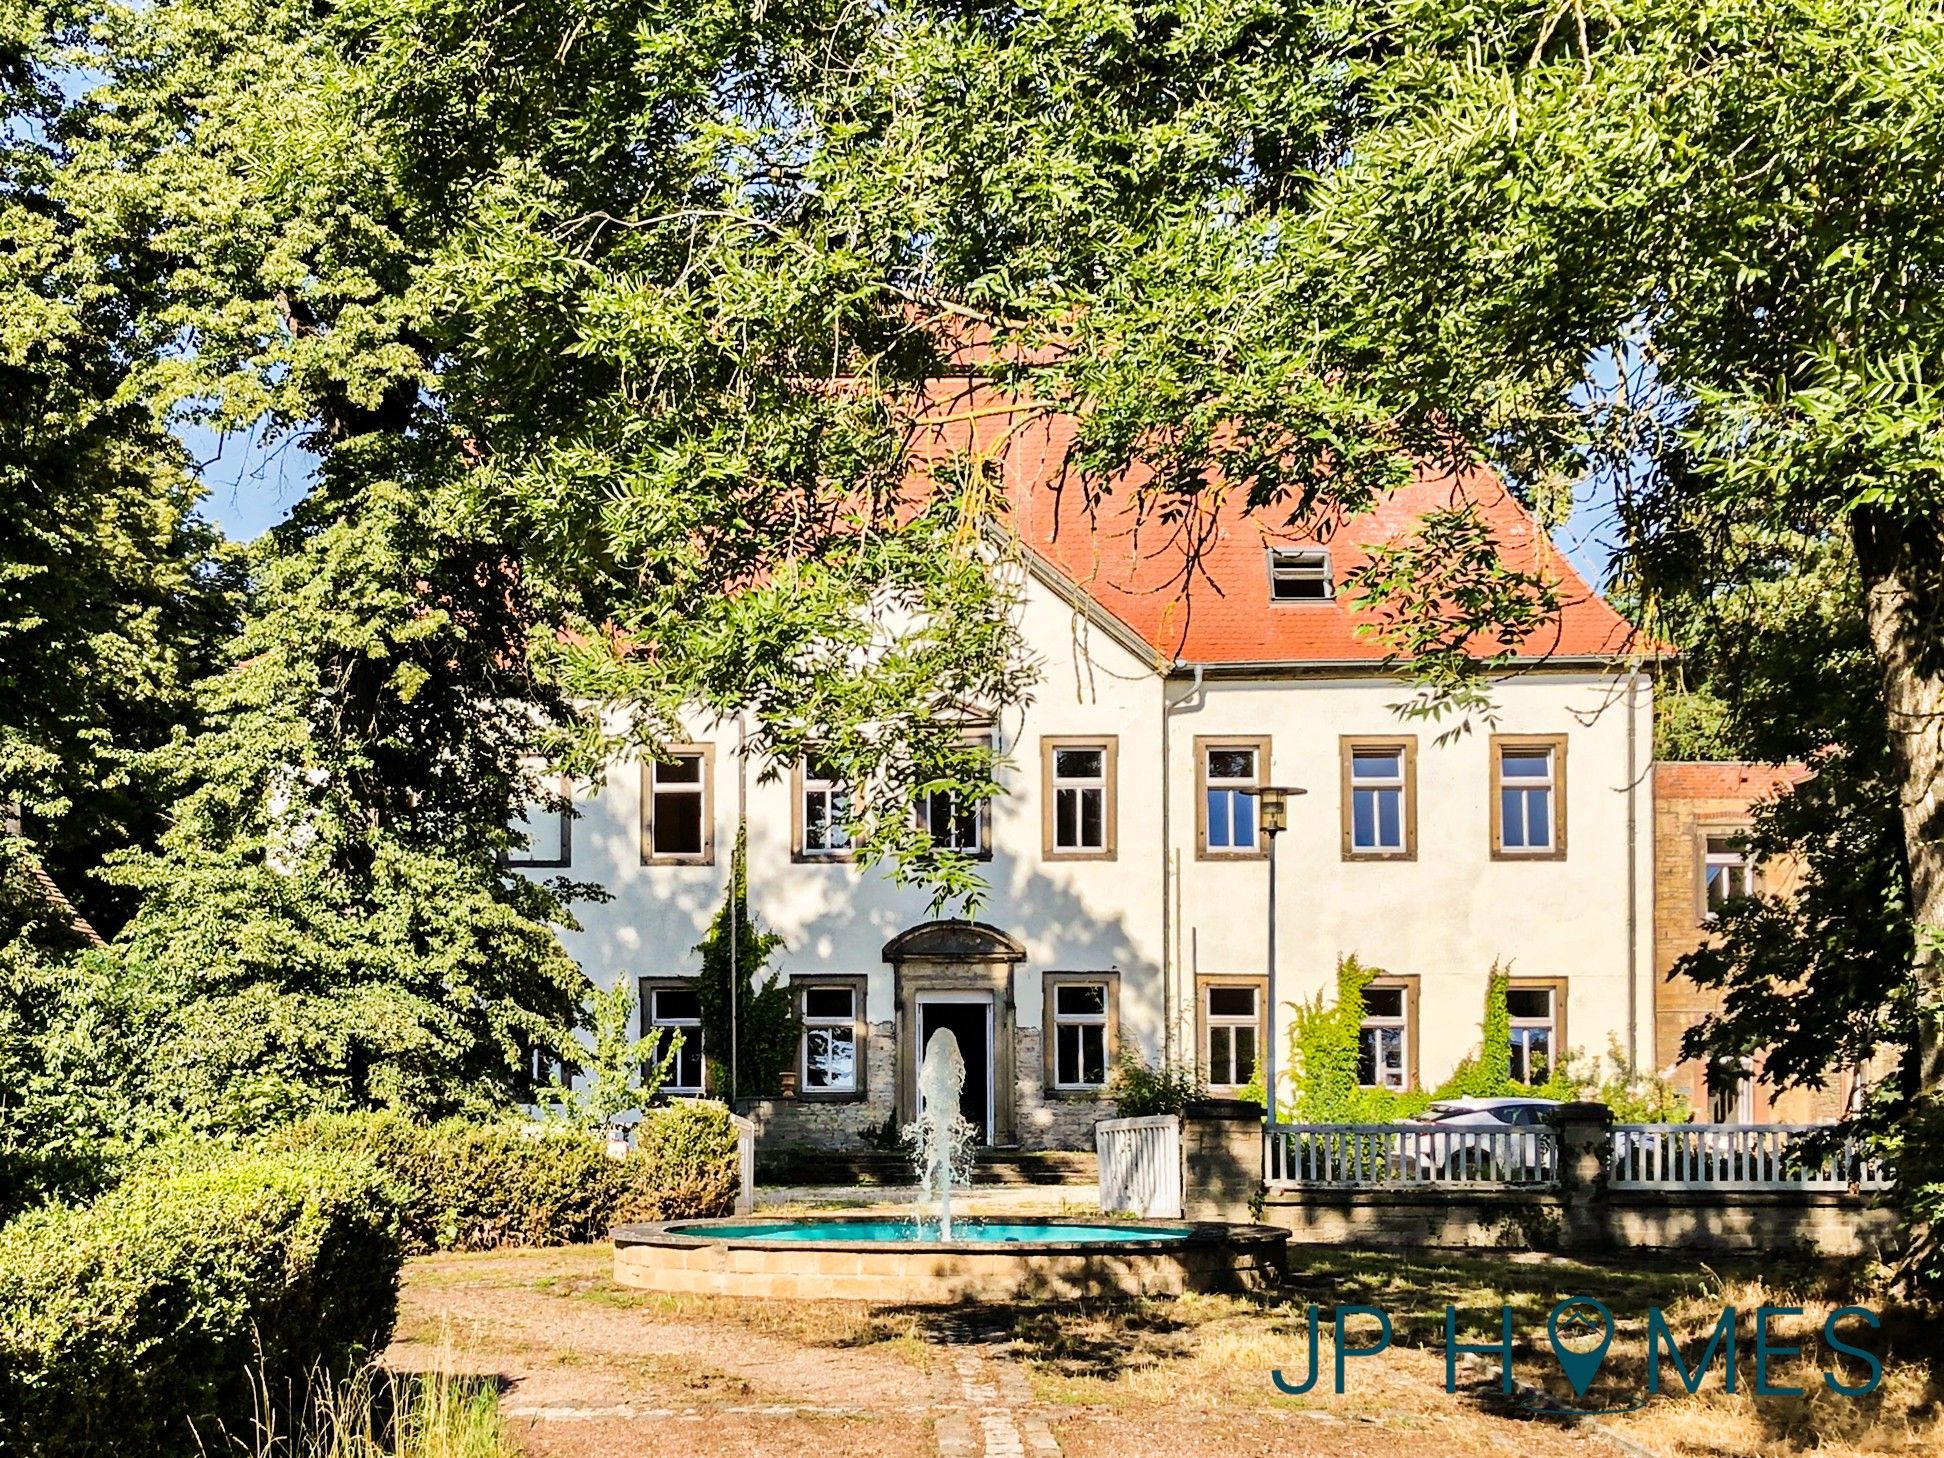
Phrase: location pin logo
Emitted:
{"points": [[1580, 1330]]}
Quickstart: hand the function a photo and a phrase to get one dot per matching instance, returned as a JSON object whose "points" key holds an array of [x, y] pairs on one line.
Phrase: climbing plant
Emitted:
{"points": [[759, 1021]]}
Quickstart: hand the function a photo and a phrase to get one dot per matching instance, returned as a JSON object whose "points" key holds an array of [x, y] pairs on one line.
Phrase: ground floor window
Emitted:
{"points": [[832, 1050], [1231, 1033], [1080, 1027], [1386, 1041], [1538, 1015], [1731, 1091], [670, 1011]]}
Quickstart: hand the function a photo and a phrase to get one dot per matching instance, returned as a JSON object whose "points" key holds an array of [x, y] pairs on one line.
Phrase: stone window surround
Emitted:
{"points": [[1109, 745], [1557, 986], [533, 858], [1049, 982], [1557, 744], [1408, 982], [645, 989], [1261, 744], [1406, 746], [649, 856], [859, 985], [1203, 982]]}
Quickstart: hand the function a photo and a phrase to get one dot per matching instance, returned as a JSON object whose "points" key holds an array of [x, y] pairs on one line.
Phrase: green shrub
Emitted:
{"points": [[465, 1185], [1139, 1091], [143, 1322], [684, 1164]]}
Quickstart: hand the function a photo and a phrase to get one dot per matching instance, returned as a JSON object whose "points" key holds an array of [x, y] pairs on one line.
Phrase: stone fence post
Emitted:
{"points": [[1221, 1159], [1585, 1132]]}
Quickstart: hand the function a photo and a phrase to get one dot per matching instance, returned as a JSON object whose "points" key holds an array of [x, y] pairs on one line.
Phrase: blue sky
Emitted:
{"points": [[253, 486]]}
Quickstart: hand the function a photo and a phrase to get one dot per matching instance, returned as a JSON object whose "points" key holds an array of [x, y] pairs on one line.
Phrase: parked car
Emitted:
{"points": [[1463, 1144]]}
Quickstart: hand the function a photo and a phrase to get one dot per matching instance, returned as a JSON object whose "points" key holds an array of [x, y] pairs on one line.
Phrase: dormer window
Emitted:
{"points": [[1299, 574]]}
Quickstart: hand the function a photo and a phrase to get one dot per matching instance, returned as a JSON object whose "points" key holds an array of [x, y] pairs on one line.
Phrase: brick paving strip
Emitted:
{"points": [[986, 1402]]}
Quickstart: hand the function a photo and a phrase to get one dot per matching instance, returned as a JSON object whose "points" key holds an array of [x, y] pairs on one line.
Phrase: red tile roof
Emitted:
{"points": [[1137, 566]]}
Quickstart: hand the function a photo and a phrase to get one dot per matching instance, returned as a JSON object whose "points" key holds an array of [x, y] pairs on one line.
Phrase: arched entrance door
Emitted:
{"points": [[958, 975]]}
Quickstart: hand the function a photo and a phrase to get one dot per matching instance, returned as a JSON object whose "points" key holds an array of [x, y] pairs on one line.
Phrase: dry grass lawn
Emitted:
{"points": [[594, 1370]]}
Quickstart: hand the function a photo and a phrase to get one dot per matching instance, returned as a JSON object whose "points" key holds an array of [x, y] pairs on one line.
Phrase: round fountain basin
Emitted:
{"points": [[870, 1258]]}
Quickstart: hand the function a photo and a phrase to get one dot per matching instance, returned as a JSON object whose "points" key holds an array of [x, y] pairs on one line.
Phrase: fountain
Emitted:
{"points": [[872, 1257], [941, 1139]]}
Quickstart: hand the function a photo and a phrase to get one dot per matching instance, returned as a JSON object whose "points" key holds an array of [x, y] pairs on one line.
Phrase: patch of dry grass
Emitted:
{"points": [[1212, 1354]]}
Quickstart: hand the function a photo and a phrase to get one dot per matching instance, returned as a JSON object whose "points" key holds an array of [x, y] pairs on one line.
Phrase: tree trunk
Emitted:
{"points": [[1901, 559]]}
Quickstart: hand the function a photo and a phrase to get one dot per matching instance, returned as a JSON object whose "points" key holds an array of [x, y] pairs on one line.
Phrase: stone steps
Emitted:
{"points": [[875, 1167]]}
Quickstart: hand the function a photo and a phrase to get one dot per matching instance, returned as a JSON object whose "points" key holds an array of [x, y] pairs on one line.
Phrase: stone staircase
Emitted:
{"points": [[992, 1167]]}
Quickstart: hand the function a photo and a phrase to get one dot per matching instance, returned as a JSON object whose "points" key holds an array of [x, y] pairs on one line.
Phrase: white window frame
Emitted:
{"points": [[1084, 1021], [703, 791], [1211, 1020], [824, 787], [1379, 1024], [1522, 1047], [850, 1027], [1236, 790], [1059, 788], [1300, 566], [690, 1029], [1398, 784], [1737, 858], [980, 845]]}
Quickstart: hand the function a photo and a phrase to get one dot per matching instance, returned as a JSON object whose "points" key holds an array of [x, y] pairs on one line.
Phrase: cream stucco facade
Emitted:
{"points": [[1161, 912]]}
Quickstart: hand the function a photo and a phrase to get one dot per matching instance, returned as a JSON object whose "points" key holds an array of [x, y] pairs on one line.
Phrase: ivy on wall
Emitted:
{"points": [[1324, 1049]]}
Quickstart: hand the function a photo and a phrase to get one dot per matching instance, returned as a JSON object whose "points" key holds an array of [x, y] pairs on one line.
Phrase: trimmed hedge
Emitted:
{"points": [[683, 1166], [145, 1322], [471, 1186]]}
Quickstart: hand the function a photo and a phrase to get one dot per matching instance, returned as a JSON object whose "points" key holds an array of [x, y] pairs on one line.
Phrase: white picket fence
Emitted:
{"points": [[1348, 1156], [1140, 1165], [1736, 1157]]}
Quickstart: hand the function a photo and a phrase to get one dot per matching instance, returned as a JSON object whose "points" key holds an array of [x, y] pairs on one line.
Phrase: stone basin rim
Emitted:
{"points": [[1193, 1235]]}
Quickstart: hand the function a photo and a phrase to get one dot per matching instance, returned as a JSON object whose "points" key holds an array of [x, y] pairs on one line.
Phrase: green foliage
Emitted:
{"points": [[758, 1019], [1323, 1058], [684, 1164], [135, 1324], [1486, 1072], [621, 1071], [1139, 1090], [331, 914], [1323, 1065], [463, 1185]]}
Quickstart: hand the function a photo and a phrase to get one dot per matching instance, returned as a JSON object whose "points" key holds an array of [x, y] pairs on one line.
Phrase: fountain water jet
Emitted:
{"points": [[941, 1139]]}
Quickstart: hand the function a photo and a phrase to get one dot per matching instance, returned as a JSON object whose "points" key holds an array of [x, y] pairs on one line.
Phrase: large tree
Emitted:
{"points": [[113, 596]]}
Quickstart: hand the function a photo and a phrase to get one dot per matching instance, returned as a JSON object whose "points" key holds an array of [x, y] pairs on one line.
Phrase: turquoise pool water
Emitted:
{"points": [[979, 1232]]}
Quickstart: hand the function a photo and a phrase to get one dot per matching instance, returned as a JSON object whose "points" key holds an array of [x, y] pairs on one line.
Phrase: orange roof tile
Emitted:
{"points": [[1137, 566]]}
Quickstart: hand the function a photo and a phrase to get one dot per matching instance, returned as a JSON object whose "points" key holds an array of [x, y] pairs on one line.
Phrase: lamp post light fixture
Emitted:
{"points": [[1273, 801]]}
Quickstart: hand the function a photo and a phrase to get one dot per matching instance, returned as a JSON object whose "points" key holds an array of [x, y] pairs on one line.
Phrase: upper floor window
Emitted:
{"points": [[1299, 574], [1538, 1015], [823, 806], [672, 1010], [1379, 792], [1727, 870], [542, 823], [1228, 770], [677, 806], [1529, 796], [954, 821], [1079, 787], [1384, 1040]]}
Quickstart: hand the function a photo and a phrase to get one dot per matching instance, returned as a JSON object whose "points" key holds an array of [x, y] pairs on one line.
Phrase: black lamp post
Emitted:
{"points": [[1274, 819]]}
